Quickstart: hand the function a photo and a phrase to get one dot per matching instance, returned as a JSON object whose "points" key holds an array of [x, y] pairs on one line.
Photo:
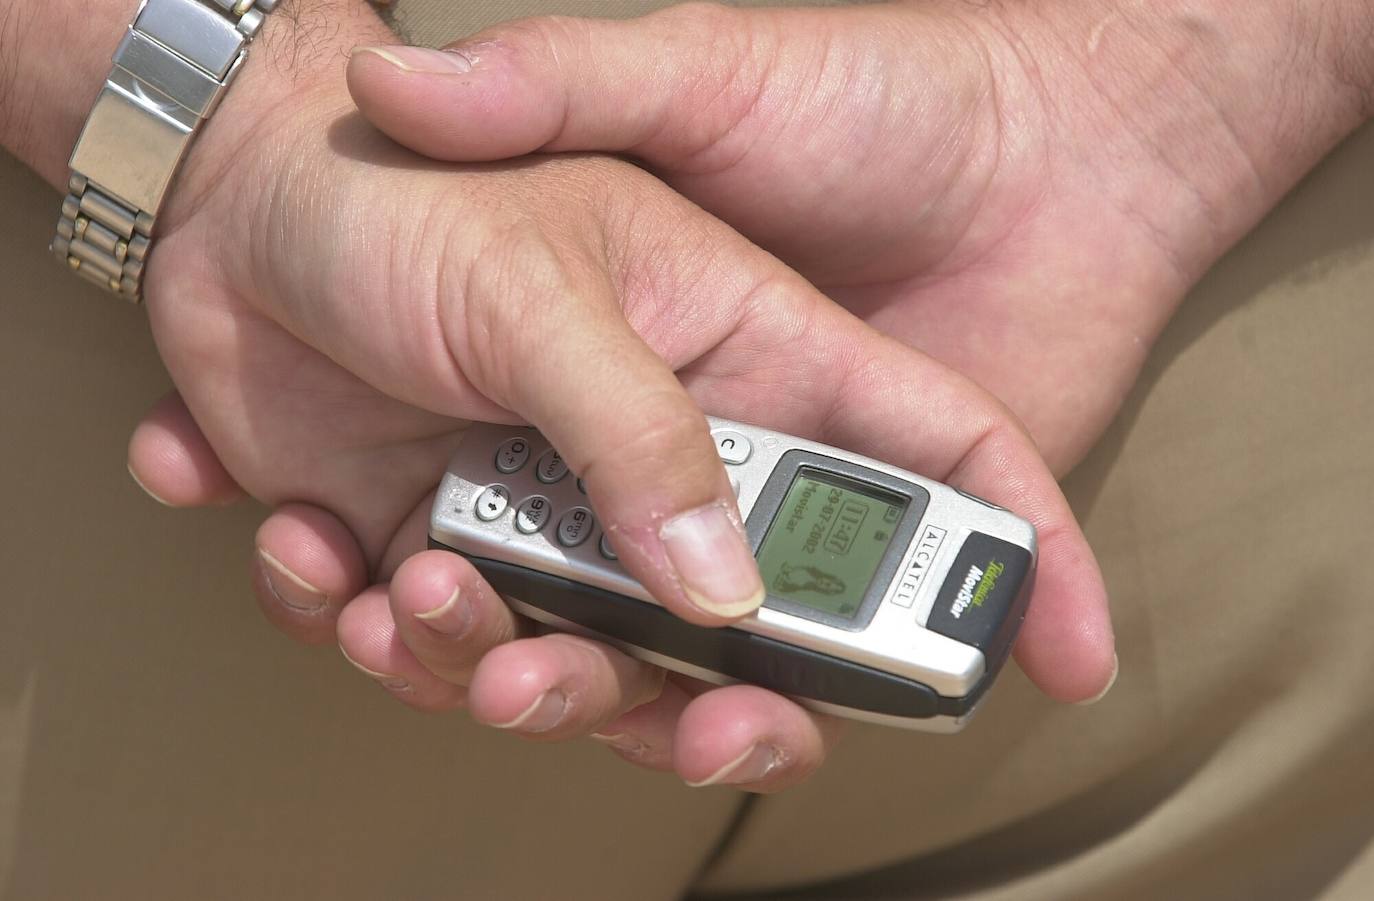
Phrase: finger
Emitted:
{"points": [[1066, 645], [749, 738], [172, 461], [729, 106], [834, 378], [668, 85], [447, 615], [529, 313], [369, 640], [558, 686], [551, 342], [644, 735], [306, 567]]}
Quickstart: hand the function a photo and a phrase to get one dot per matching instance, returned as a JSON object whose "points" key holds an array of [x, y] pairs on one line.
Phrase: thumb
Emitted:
{"points": [[623, 422], [665, 86]]}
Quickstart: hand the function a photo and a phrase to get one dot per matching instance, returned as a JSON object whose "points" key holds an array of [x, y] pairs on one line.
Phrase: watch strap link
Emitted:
{"points": [[170, 71]]}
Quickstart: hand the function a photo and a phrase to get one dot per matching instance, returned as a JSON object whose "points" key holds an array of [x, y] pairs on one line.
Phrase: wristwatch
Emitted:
{"points": [[170, 72]]}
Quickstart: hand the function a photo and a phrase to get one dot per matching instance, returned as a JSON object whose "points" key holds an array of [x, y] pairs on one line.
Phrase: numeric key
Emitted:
{"points": [[551, 467], [512, 454], [533, 514], [575, 527]]}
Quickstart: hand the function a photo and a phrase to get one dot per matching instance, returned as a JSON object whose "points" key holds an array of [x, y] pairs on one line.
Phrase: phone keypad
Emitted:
{"points": [[575, 526]]}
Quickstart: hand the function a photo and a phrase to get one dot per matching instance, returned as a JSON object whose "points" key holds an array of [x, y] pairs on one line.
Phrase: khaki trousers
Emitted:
{"points": [[158, 740]]}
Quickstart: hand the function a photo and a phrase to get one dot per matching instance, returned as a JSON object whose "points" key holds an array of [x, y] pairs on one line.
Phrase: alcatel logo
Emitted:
{"points": [[926, 548]]}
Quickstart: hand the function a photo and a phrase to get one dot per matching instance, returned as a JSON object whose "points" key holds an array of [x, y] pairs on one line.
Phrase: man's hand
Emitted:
{"points": [[378, 297], [1023, 191], [964, 177], [404, 306], [332, 307]]}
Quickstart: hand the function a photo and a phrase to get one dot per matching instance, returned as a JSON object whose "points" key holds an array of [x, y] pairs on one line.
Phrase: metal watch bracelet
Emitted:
{"points": [[170, 72]]}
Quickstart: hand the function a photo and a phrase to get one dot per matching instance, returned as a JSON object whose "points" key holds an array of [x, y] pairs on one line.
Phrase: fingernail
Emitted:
{"points": [[706, 547], [288, 588], [756, 762], [623, 742], [452, 617], [388, 681], [139, 482], [422, 59], [546, 712], [1116, 671]]}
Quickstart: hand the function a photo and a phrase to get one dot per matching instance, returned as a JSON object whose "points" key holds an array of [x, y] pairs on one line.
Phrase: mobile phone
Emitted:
{"points": [[891, 598]]}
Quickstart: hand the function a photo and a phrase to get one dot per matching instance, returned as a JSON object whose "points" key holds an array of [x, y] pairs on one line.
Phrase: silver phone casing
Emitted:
{"points": [[894, 641]]}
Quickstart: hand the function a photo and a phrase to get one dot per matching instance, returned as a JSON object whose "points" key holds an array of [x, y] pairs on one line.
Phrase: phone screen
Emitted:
{"points": [[824, 547]]}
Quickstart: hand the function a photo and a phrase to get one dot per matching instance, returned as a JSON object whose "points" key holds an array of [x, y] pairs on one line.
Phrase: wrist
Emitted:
{"points": [[59, 53], [292, 85]]}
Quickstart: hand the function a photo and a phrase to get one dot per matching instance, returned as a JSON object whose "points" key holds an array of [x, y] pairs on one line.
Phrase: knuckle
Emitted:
{"points": [[670, 437], [514, 259], [720, 59], [512, 288], [663, 263], [664, 257], [453, 670], [670, 425], [549, 38]]}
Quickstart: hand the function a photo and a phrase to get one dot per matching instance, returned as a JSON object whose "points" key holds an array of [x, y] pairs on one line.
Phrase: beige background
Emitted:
{"points": [[158, 740]]}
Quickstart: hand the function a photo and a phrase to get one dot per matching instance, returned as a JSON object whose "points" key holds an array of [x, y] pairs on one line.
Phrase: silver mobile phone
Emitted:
{"points": [[891, 598]]}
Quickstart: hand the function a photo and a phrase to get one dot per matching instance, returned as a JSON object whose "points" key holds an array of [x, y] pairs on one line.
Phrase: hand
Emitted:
{"points": [[326, 342], [1023, 191]]}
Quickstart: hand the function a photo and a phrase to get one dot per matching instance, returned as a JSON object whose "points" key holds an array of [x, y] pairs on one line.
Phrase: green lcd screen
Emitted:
{"points": [[826, 542]]}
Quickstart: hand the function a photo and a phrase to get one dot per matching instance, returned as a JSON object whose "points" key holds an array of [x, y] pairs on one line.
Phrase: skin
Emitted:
{"points": [[1024, 191], [931, 251], [983, 181], [333, 308]]}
